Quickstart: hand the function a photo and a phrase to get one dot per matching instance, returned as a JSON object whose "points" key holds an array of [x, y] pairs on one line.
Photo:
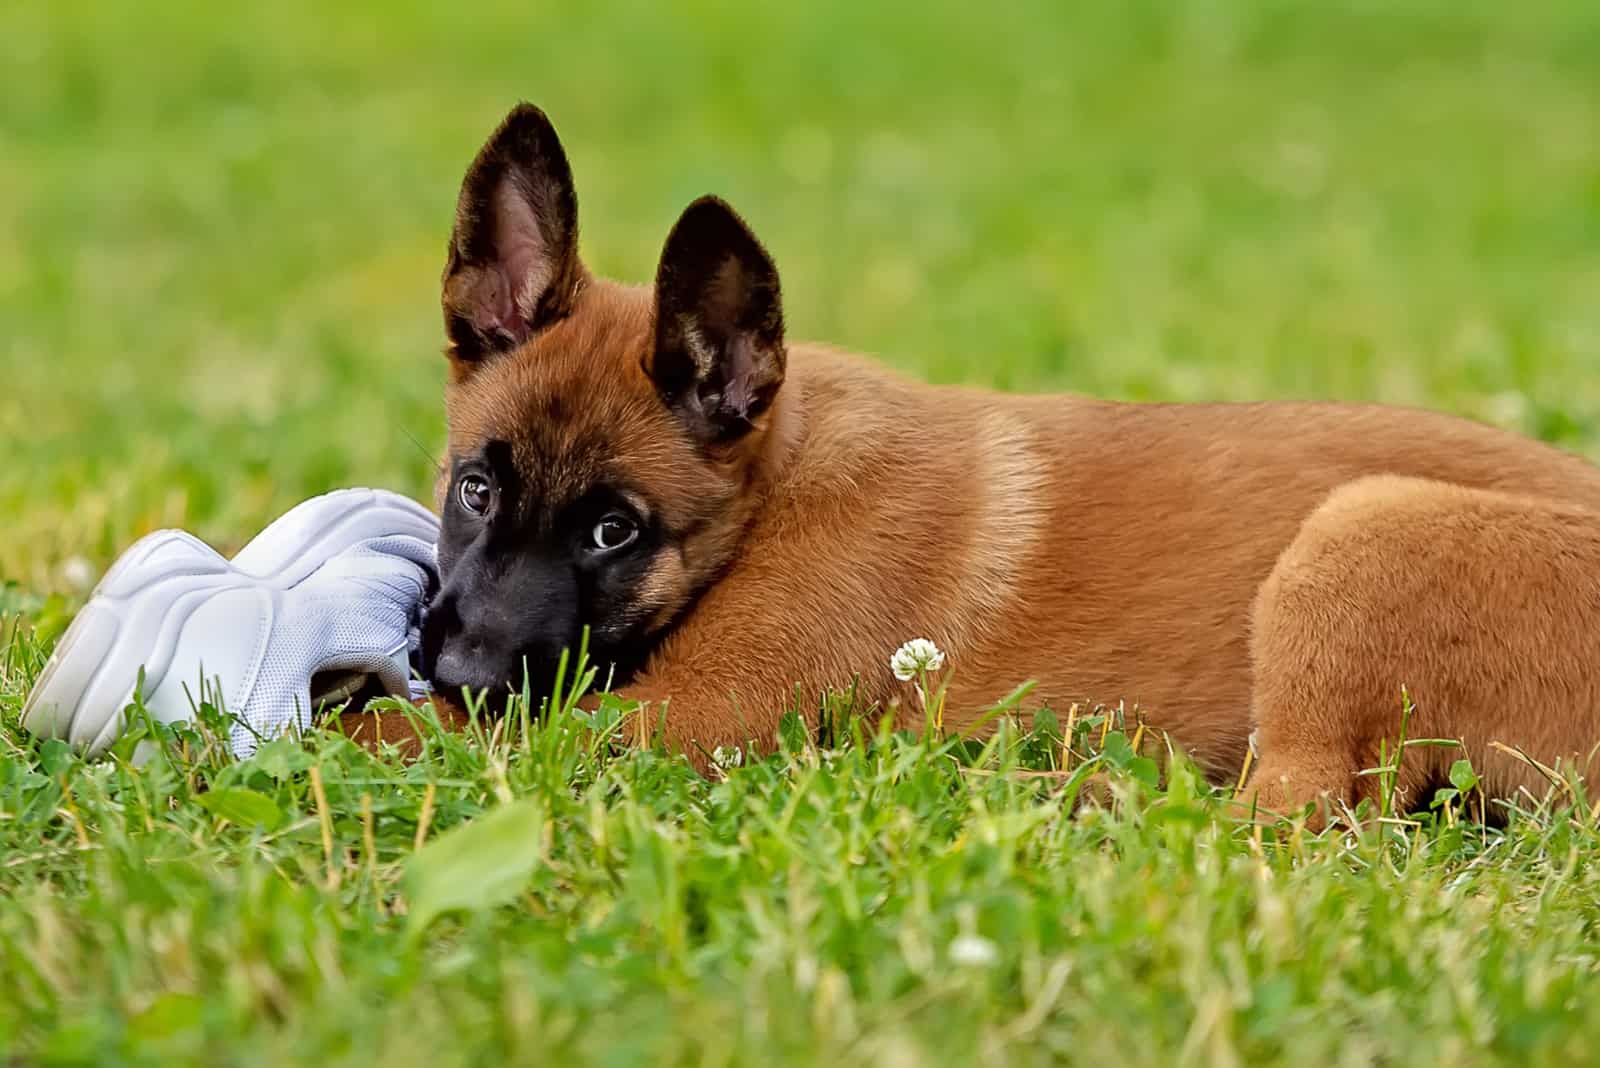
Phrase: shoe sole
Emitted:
{"points": [[89, 680]]}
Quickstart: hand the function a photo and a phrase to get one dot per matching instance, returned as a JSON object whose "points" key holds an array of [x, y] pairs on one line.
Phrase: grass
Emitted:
{"points": [[220, 235]]}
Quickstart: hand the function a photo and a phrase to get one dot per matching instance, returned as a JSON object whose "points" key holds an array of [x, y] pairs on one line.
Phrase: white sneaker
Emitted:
{"points": [[331, 590]]}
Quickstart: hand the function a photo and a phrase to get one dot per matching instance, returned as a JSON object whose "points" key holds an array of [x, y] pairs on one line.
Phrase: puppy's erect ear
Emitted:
{"points": [[513, 263], [719, 358]]}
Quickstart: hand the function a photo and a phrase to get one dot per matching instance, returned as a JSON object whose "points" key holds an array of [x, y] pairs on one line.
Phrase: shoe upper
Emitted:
{"points": [[336, 584]]}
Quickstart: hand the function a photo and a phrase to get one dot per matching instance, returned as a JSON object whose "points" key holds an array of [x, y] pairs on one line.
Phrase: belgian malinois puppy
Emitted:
{"points": [[733, 516]]}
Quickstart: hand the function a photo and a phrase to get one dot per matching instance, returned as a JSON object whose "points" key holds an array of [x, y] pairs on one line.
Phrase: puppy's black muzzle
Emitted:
{"points": [[473, 646]]}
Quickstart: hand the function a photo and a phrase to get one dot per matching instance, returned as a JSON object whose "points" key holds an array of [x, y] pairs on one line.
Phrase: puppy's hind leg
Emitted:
{"points": [[1325, 629]]}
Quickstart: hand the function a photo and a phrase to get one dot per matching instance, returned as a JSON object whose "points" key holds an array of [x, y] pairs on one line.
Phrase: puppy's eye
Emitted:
{"points": [[613, 532], [474, 494]]}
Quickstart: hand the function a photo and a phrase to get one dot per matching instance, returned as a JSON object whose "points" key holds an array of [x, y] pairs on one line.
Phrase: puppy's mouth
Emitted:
{"points": [[495, 699], [469, 681]]}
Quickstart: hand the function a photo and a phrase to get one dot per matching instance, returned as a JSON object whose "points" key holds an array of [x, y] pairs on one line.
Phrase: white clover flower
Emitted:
{"points": [[726, 757], [973, 951], [915, 657]]}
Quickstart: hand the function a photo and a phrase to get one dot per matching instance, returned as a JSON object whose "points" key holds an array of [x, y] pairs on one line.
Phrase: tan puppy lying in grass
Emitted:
{"points": [[734, 518]]}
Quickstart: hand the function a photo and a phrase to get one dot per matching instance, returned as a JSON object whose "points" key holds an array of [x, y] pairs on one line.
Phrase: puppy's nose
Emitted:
{"points": [[459, 667], [460, 653]]}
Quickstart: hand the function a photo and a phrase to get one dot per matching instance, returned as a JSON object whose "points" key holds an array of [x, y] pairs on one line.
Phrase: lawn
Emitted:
{"points": [[220, 239]]}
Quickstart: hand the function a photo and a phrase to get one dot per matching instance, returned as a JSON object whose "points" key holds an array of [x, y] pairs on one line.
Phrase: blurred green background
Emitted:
{"points": [[221, 229]]}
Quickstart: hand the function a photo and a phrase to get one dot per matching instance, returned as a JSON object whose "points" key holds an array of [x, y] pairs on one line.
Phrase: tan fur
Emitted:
{"points": [[1481, 604], [375, 730], [1111, 552], [1159, 523]]}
